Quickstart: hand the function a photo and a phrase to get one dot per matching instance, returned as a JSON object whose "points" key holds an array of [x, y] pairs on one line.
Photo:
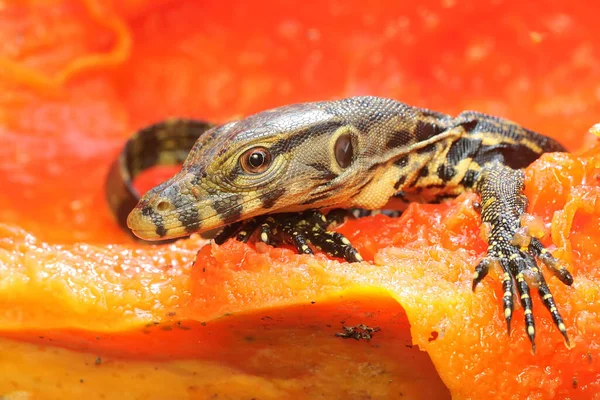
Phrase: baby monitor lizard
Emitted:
{"points": [[272, 172]]}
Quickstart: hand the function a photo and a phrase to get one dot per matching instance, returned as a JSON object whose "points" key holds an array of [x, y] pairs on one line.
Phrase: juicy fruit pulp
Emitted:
{"points": [[83, 315]]}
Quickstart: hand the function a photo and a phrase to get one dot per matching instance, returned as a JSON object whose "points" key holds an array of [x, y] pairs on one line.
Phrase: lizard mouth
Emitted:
{"points": [[147, 226], [147, 221]]}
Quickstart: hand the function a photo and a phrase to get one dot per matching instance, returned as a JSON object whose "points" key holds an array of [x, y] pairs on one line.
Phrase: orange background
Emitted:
{"points": [[77, 77]]}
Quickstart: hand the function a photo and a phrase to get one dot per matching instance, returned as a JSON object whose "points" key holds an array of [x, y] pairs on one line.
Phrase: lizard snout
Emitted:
{"points": [[165, 212], [154, 220]]}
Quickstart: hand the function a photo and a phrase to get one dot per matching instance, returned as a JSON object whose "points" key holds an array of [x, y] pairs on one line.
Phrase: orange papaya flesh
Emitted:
{"points": [[69, 275], [235, 355], [429, 277]]}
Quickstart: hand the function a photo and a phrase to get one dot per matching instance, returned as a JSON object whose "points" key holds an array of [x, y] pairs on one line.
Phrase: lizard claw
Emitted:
{"points": [[502, 207], [303, 230]]}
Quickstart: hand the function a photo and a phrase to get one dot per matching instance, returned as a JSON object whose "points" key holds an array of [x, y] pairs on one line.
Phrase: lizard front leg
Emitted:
{"points": [[502, 205], [303, 230]]}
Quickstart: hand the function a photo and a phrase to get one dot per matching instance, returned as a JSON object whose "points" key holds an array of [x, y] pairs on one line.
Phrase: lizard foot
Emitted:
{"points": [[304, 230], [503, 204]]}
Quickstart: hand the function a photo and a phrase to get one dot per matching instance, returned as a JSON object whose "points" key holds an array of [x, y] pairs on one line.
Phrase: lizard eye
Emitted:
{"points": [[255, 160], [343, 151]]}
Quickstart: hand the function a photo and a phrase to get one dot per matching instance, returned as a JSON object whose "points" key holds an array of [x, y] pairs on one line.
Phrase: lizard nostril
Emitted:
{"points": [[163, 206]]}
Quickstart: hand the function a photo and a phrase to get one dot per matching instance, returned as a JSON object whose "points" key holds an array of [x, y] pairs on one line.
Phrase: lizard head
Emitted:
{"points": [[286, 159]]}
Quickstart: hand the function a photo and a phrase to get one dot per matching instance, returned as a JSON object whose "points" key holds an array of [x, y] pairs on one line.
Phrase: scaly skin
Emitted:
{"points": [[271, 172]]}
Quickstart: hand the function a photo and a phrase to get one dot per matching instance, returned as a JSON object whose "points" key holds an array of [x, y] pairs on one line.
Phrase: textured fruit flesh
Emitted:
{"points": [[85, 310]]}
